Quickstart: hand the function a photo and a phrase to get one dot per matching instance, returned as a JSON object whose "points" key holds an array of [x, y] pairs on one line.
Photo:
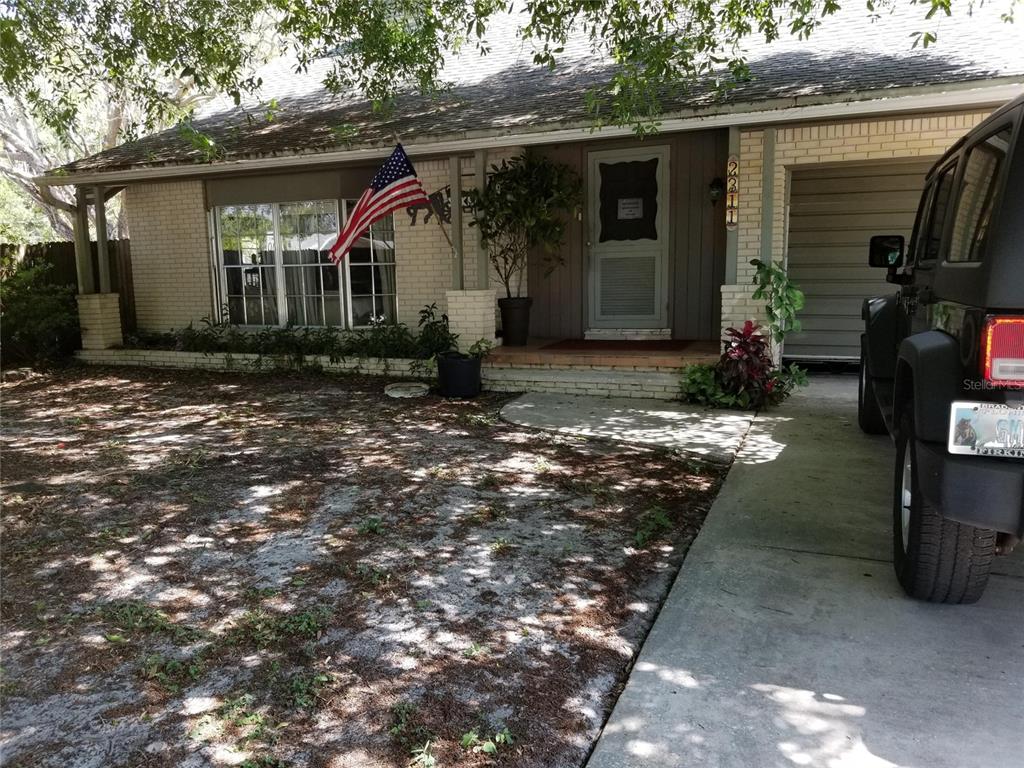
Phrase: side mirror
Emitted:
{"points": [[886, 251]]}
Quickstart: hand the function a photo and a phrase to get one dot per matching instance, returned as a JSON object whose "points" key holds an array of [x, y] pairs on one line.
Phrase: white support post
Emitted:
{"points": [[483, 263], [102, 250], [83, 255], [458, 258]]}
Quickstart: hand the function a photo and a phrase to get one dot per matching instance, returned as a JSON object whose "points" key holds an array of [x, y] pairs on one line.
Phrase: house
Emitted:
{"points": [[826, 144]]}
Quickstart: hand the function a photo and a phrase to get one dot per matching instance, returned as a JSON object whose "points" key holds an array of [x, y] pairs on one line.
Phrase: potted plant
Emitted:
{"points": [[458, 374], [523, 206]]}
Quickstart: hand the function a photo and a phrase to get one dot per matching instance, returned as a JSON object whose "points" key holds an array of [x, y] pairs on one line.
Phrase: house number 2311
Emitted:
{"points": [[732, 192]]}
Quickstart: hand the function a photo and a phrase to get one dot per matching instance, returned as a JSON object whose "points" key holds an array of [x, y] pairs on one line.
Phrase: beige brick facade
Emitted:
{"points": [[423, 256], [99, 315], [172, 262], [893, 138], [471, 316], [171, 265]]}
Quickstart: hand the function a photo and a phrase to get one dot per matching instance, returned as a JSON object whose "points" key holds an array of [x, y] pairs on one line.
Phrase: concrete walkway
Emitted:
{"points": [[714, 434], [786, 640]]}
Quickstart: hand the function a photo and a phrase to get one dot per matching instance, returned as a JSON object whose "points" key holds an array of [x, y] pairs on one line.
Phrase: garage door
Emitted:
{"points": [[833, 213]]}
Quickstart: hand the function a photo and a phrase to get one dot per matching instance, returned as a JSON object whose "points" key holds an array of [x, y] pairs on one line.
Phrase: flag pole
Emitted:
{"points": [[440, 223]]}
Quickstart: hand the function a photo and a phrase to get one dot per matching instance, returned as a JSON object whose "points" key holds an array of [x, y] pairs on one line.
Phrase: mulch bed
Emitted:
{"points": [[280, 570]]}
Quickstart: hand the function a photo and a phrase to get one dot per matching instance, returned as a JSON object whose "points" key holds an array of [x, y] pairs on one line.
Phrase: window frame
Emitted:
{"points": [[282, 276], [347, 204], [926, 215], [341, 208], [994, 194]]}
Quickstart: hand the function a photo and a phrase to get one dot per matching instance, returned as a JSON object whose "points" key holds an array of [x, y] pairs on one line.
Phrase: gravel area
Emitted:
{"points": [[273, 570]]}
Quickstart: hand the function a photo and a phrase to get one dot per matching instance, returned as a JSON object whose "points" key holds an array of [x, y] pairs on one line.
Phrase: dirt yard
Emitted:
{"points": [[266, 571]]}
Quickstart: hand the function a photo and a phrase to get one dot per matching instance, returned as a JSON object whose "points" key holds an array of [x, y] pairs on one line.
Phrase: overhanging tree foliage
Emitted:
{"points": [[57, 54]]}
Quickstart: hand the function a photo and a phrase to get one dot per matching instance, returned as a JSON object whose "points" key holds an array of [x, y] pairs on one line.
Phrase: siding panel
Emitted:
{"points": [[697, 236], [833, 214]]}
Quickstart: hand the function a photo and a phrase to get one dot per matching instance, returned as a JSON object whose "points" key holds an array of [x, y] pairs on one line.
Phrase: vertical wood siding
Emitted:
{"points": [[697, 238]]}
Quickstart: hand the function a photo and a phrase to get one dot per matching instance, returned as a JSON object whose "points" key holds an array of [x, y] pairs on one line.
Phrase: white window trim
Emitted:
{"points": [[281, 293], [393, 263], [281, 290]]}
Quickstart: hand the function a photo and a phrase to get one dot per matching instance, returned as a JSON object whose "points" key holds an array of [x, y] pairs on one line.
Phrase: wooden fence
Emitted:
{"points": [[61, 257]]}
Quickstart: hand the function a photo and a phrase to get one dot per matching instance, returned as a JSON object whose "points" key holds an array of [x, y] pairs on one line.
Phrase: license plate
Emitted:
{"points": [[986, 429]]}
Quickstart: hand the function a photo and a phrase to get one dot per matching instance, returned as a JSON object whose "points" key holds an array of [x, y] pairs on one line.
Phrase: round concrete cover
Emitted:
{"points": [[406, 389]]}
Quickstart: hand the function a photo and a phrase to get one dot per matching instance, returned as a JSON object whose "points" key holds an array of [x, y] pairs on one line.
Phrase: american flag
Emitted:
{"points": [[395, 186]]}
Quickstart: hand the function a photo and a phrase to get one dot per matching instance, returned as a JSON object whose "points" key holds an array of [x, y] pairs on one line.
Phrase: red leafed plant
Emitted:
{"points": [[744, 376], [746, 363]]}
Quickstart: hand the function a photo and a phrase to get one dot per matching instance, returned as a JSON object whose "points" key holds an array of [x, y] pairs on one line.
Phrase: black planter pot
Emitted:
{"points": [[515, 320], [458, 375]]}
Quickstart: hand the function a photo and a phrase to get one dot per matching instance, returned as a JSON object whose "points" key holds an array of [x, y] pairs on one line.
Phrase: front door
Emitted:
{"points": [[628, 238]]}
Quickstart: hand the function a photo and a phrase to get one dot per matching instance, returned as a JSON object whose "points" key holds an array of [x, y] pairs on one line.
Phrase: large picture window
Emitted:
{"points": [[275, 268]]}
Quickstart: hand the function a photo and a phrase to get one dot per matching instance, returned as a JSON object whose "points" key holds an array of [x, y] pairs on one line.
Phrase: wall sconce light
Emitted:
{"points": [[716, 190]]}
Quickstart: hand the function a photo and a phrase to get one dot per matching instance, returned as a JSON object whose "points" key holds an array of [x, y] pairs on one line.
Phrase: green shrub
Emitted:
{"points": [[38, 319], [782, 299], [379, 341]]}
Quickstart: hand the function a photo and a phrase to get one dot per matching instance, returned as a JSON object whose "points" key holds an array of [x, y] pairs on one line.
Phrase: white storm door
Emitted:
{"points": [[628, 239]]}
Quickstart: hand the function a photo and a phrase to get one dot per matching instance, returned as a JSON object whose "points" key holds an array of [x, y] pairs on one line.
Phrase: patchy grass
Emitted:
{"points": [[205, 569]]}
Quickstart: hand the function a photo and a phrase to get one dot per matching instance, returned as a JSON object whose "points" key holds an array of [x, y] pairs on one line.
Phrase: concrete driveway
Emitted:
{"points": [[786, 640]]}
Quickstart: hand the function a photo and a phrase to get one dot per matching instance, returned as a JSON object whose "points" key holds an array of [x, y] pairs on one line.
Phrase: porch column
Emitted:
{"points": [[471, 316], [483, 263], [102, 254], [99, 314], [470, 312], [458, 257], [83, 251]]}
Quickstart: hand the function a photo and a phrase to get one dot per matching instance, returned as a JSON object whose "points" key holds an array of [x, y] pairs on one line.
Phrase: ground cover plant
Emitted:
{"points": [[289, 346], [271, 571]]}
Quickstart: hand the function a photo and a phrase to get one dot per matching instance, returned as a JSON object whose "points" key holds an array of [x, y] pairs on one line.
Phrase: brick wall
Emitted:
{"points": [[171, 259], [423, 256], [471, 316], [99, 315], [170, 254], [818, 144], [597, 381]]}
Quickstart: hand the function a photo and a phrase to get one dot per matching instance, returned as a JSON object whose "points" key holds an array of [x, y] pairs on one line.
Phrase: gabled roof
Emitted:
{"points": [[850, 57]]}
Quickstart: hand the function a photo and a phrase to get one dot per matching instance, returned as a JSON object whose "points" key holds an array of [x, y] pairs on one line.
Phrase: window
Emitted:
{"points": [[249, 258], [628, 200], [929, 235], [275, 268], [978, 196], [372, 273], [312, 283]]}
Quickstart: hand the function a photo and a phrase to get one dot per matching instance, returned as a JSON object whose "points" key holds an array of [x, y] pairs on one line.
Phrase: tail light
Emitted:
{"points": [[1003, 351]]}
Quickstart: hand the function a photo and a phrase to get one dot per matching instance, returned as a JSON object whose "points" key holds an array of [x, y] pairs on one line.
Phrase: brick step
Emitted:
{"points": [[658, 383], [640, 360]]}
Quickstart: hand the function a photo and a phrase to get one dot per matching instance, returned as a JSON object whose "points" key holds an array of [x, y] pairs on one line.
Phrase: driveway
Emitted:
{"points": [[786, 640]]}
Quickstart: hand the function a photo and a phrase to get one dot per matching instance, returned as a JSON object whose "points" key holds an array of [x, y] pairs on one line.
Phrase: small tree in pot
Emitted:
{"points": [[523, 206]]}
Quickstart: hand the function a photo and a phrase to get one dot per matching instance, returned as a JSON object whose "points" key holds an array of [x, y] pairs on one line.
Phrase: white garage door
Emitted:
{"points": [[833, 213]]}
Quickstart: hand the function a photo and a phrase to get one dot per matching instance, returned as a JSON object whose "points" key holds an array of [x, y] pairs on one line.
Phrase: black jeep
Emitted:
{"points": [[942, 365]]}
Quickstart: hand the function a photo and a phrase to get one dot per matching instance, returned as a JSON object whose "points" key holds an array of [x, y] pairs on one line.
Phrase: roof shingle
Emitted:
{"points": [[505, 92]]}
